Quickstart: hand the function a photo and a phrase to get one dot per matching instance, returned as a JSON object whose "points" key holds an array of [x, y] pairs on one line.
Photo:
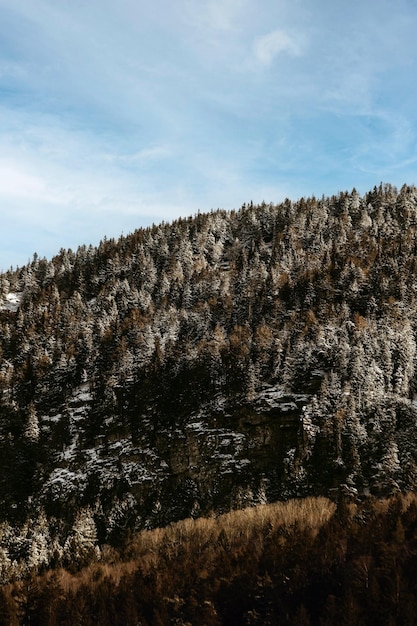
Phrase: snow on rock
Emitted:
{"points": [[11, 302], [63, 483], [279, 398], [202, 457]]}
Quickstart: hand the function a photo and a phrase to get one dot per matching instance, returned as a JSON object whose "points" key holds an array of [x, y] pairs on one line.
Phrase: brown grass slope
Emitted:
{"points": [[301, 562]]}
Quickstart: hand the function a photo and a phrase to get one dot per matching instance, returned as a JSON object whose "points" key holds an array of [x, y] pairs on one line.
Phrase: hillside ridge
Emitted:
{"points": [[223, 360]]}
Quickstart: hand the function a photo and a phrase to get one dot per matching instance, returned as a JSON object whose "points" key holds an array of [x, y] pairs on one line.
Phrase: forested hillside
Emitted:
{"points": [[224, 360]]}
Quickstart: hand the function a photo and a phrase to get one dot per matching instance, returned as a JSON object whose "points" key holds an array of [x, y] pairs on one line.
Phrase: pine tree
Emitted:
{"points": [[32, 431], [80, 547]]}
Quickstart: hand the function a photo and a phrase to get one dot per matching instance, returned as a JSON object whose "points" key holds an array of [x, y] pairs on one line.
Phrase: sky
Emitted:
{"points": [[119, 114]]}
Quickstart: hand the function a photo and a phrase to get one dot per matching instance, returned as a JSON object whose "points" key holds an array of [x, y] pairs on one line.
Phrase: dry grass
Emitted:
{"points": [[218, 562], [204, 536], [234, 527]]}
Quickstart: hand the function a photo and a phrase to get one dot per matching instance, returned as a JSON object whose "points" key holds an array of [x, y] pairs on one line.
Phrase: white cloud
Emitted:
{"points": [[387, 145], [141, 157], [224, 14], [15, 183], [267, 47], [217, 15]]}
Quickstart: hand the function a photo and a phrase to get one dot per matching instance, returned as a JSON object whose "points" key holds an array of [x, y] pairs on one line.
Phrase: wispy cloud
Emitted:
{"points": [[216, 15], [387, 144], [269, 46], [143, 157], [17, 184]]}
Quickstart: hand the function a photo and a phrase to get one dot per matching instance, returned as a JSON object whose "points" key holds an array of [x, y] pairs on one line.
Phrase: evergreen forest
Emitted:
{"points": [[210, 367]]}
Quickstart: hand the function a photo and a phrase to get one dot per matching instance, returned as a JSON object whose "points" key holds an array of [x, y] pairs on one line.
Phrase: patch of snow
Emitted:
{"points": [[12, 301], [198, 426], [51, 418], [83, 396], [62, 482], [288, 406]]}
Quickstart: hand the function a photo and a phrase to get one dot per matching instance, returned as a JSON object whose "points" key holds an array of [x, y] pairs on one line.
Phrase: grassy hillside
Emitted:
{"points": [[301, 562]]}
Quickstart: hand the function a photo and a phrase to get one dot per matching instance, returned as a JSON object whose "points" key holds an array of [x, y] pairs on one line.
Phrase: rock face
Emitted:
{"points": [[221, 458]]}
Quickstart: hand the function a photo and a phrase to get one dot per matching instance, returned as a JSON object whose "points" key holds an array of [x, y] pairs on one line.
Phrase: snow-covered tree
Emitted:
{"points": [[81, 545], [32, 424]]}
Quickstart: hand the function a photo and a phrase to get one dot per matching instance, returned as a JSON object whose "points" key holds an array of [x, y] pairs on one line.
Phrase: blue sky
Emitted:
{"points": [[114, 115]]}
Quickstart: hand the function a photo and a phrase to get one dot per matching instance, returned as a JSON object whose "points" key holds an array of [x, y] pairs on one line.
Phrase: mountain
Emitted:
{"points": [[224, 360]]}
